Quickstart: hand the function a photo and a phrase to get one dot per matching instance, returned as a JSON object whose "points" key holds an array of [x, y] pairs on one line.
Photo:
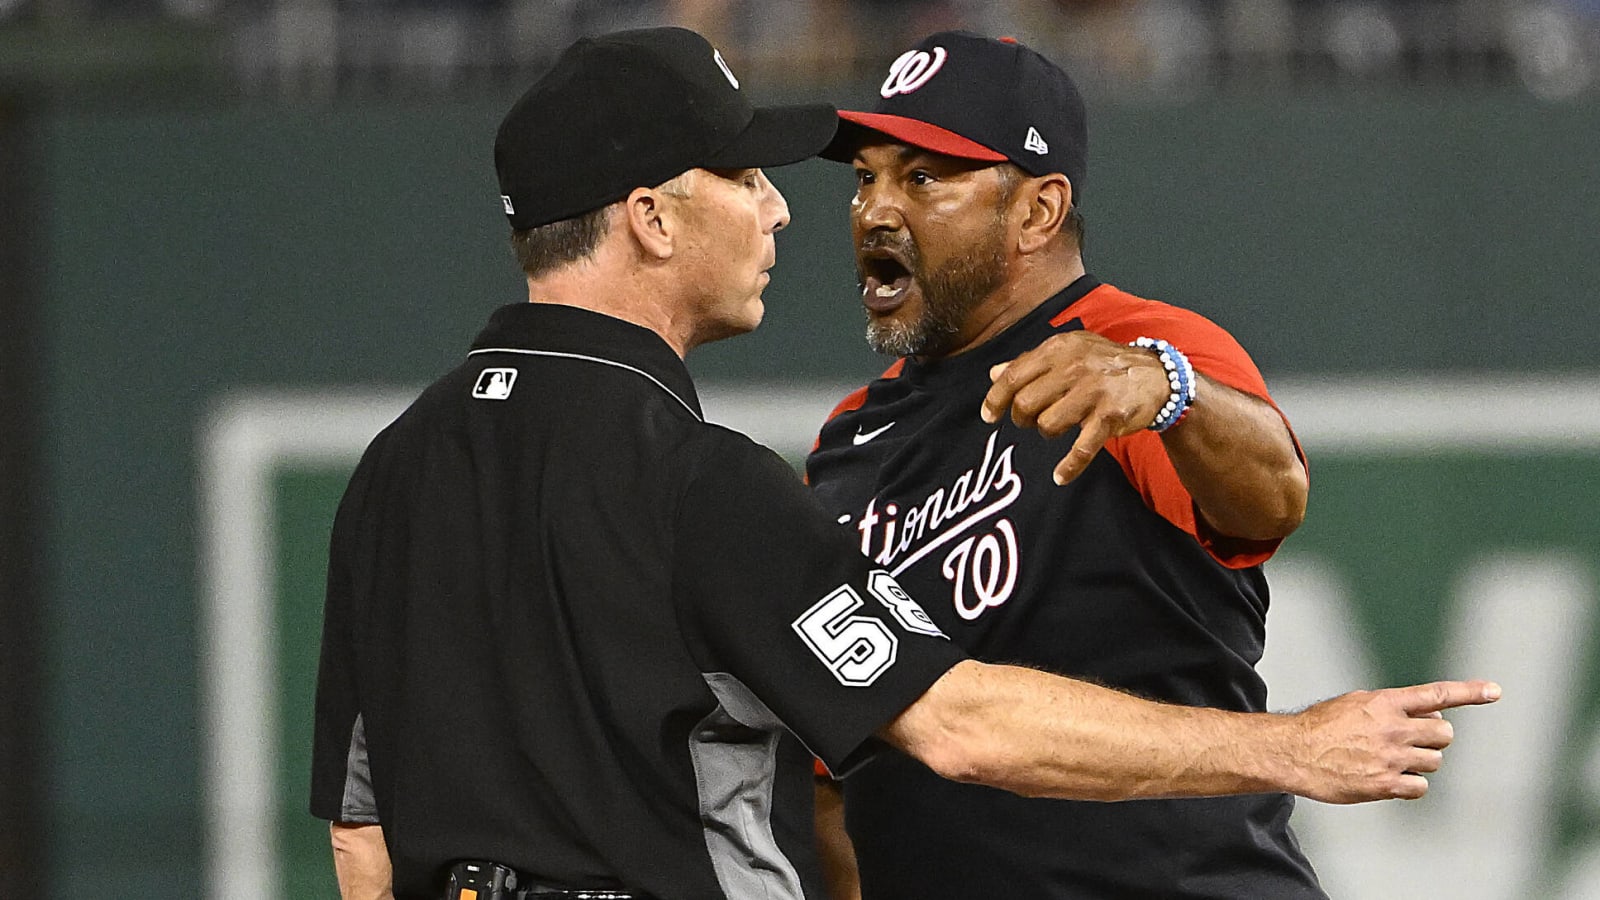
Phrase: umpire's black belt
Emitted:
{"points": [[479, 880], [559, 894]]}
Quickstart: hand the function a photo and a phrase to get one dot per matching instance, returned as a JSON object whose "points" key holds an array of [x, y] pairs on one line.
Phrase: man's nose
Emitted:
{"points": [[778, 208], [875, 209]]}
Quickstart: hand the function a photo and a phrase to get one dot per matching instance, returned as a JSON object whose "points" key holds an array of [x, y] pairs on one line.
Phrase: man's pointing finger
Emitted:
{"points": [[1427, 698]]}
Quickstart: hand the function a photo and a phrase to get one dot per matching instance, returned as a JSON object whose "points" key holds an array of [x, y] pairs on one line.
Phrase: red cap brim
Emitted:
{"points": [[918, 133]]}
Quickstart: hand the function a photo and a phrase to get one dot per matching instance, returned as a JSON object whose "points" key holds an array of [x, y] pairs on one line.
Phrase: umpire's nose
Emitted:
{"points": [[775, 209]]}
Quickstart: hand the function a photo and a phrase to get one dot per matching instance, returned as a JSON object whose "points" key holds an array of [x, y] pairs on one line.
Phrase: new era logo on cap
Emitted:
{"points": [[1035, 142]]}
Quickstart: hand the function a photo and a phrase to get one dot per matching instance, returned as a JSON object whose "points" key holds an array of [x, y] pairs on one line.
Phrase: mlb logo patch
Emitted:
{"points": [[494, 384]]}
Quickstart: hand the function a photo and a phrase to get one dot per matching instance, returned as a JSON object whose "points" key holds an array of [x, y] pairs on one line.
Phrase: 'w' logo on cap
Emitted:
{"points": [[1035, 142], [911, 71]]}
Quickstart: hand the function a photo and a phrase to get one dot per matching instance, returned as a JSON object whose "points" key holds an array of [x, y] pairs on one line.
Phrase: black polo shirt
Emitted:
{"points": [[569, 622]]}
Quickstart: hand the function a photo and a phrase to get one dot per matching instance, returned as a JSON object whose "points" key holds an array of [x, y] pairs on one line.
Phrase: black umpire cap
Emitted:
{"points": [[980, 98], [635, 109]]}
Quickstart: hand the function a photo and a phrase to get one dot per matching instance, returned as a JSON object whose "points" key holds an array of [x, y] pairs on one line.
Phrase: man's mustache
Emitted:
{"points": [[903, 246]]}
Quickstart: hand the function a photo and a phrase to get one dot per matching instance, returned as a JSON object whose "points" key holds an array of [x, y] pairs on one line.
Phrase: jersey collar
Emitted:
{"points": [[572, 330]]}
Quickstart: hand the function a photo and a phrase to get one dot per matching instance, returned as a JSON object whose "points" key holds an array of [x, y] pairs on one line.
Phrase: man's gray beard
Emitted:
{"points": [[932, 330], [949, 297]]}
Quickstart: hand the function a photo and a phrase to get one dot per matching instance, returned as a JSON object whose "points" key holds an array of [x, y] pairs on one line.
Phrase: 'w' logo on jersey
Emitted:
{"points": [[963, 522]]}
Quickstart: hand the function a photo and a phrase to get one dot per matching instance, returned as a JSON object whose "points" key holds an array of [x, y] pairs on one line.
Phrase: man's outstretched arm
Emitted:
{"points": [[1041, 735]]}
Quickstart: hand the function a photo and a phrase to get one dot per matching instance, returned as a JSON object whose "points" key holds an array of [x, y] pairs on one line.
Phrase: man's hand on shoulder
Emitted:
{"points": [[1078, 378], [1233, 452]]}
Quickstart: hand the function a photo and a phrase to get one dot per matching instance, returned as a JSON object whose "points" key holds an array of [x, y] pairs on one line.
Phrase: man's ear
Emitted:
{"points": [[1049, 199], [650, 221]]}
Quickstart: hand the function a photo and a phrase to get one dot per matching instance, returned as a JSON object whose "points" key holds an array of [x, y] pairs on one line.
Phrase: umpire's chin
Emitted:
{"points": [[732, 318]]}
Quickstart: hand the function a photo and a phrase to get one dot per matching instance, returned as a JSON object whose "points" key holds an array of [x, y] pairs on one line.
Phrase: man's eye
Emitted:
{"points": [[863, 176], [920, 177]]}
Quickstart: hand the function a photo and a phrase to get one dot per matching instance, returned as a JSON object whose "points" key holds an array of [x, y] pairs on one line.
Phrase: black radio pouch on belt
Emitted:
{"points": [[481, 881]]}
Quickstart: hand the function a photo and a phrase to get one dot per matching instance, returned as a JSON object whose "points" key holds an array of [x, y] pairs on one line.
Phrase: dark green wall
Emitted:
{"points": [[193, 252], [1356, 234], [21, 496]]}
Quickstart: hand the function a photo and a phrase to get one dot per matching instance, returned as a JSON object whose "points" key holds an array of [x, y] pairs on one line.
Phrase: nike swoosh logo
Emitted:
{"points": [[860, 437]]}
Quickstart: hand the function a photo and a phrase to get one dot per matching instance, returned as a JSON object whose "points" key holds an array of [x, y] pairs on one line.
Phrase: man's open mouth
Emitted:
{"points": [[884, 280]]}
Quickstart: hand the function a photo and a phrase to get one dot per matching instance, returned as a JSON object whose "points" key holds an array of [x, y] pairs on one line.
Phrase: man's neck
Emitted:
{"points": [[618, 294], [1030, 285]]}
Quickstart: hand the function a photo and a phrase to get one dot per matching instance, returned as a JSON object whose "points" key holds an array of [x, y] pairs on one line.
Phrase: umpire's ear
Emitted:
{"points": [[650, 217], [1046, 200]]}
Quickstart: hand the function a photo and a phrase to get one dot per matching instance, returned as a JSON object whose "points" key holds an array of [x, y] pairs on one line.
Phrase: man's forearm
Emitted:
{"points": [[361, 862], [1040, 735], [1236, 457], [1074, 740]]}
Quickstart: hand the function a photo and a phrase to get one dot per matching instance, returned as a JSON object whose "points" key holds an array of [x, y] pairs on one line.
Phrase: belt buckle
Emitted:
{"points": [[481, 880]]}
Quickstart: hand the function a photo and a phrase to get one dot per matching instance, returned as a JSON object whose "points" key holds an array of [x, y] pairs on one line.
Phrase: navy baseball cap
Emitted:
{"points": [[979, 98], [635, 109]]}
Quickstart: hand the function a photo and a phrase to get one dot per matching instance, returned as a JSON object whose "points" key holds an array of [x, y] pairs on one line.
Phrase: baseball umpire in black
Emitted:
{"points": [[570, 625]]}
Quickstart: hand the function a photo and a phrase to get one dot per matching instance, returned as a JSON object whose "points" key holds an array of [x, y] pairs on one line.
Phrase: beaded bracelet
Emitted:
{"points": [[1180, 377]]}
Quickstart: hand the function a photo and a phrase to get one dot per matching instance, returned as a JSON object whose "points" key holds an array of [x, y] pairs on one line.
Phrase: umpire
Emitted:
{"points": [[570, 624], [556, 593]]}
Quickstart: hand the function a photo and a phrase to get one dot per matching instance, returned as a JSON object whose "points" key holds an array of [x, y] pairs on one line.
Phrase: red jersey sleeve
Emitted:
{"points": [[1122, 317]]}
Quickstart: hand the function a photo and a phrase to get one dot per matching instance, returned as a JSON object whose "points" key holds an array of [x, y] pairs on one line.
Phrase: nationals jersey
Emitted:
{"points": [[1110, 578]]}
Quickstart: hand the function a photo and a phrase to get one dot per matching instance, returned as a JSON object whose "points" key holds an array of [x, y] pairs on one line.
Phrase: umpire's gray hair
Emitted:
{"points": [[540, 251]]}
